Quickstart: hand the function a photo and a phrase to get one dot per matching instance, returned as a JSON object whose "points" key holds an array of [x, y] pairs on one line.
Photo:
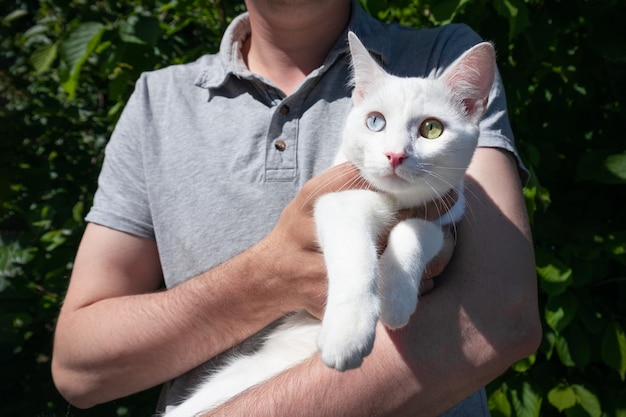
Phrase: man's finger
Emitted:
{"points": [[436, 266]]}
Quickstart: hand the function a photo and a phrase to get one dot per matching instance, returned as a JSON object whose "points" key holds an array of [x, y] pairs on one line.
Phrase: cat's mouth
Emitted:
{"points": [[399, 179], [392, 181]]}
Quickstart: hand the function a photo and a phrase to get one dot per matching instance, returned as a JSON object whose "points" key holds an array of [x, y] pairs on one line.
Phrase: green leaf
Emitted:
{"points": [[573, 347], [603, 167], [575, 400], [562, 397], [587, 400], [525, 364], [55, 238], [35, 31], [554, 276], [77, 212], [530, 197], [499, 404], [526, 401], [562, 349], [614, 348], [43, 57], [141, 30], [536, 196], [12, 257], [14, 15], [548, 344], [560, 310], [516, 12], [75, 51], [119, 85], [555, 273], [505, 8], [616, 165]]}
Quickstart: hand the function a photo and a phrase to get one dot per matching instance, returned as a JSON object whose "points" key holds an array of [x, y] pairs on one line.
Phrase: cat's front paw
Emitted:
{"points": [[412, 244], [398, 289], [347, 335], [398, 307]]}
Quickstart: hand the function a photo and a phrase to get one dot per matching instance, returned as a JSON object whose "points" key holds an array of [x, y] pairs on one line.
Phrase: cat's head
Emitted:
{"points": [[416, 136]]}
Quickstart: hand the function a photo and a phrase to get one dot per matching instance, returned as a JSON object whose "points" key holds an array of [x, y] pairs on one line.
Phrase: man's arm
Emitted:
{"points": [[117, 334], [481, 317]]}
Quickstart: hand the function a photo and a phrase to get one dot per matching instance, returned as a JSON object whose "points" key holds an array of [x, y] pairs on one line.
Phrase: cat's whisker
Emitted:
{"points": [[440, 198], [440, 178], [355, 182], [352, 183], [316, 190]]}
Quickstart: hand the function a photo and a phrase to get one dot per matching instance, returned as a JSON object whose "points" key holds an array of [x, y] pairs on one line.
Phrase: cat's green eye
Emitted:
{"points": [[375, 122], [431, 129]]}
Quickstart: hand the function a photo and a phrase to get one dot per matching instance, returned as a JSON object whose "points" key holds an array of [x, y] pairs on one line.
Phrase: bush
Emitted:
{"points": [[68, 66], [66, 70]]}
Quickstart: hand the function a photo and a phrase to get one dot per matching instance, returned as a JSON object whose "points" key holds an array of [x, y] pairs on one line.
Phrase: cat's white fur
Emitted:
{"points": [[364, 288]]}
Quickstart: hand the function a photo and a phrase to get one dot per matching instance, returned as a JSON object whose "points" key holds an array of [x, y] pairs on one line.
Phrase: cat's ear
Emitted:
{"points": [[366, 72], [471, 76]]}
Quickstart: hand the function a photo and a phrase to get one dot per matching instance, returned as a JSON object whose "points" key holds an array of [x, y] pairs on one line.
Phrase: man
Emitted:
{"points": [[195, 177]]}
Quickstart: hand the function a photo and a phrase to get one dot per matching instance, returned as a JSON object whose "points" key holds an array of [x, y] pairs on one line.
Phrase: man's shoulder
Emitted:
{"points": [[441, 37], [189, 71], [412, 51], [411, 33]]}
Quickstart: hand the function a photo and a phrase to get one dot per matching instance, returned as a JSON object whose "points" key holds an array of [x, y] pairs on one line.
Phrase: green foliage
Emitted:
{"points": [[68, 66], [66, 70]]}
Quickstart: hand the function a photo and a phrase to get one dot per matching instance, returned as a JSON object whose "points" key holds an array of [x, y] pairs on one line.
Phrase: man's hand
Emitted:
{"points": [[293, 250], [292, 245], [437, 265]]}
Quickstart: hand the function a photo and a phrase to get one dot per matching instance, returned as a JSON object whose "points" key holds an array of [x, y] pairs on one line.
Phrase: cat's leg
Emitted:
{"points": [[412, 244], [289, 344], [348, 224]]}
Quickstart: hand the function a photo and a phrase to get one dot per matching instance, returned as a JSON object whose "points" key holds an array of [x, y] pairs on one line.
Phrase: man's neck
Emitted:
{"points": [[287, 43]]}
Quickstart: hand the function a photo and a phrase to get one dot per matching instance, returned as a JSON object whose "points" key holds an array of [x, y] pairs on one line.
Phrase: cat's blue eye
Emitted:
{"points": [[431, 129], [375, 122]]}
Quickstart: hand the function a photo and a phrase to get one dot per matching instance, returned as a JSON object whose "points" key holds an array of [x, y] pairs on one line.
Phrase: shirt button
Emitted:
{"points": [[284, 109], [280, 145]]}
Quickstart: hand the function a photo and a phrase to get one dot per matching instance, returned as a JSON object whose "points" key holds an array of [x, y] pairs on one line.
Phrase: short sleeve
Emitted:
{"points": [[121, 200]]}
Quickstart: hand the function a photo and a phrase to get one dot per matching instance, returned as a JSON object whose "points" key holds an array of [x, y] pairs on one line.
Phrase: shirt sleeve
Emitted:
{"points": [[121, 200]]}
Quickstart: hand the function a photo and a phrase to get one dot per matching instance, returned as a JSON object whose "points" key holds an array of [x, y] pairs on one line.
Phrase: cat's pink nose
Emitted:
{"points": [[395, 159]]}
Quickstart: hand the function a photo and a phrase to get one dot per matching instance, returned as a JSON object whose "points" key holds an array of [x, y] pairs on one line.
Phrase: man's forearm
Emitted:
{"points": [[385, 385], [116, 335], [116, 346]]}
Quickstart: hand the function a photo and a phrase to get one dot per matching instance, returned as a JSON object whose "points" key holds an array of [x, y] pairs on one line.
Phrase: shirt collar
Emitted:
{"points": [[230, 62]]}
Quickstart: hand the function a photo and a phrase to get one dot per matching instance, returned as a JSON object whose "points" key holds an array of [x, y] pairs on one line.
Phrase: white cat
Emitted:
{"points": [[412, 139]]}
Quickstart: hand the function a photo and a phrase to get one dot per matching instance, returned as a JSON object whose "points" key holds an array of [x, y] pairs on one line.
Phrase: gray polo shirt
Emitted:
{"points": [[207, 154]]}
